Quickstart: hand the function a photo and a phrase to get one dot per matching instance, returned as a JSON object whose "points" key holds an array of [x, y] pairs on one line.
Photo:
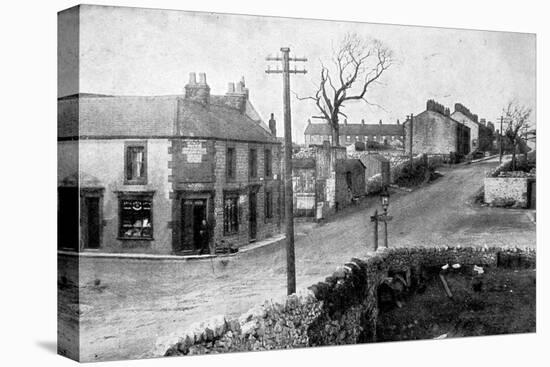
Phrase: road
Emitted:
{"points": [[138, 300]]}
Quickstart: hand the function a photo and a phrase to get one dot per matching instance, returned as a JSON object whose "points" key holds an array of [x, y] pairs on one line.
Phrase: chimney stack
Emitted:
{"points": [[380, 122], [237, 95], [397, 121], [273, 126], [345, 121], [362, 121], [199, 92]]}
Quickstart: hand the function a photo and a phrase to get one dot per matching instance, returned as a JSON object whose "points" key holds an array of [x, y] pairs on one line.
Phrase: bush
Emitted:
{"points": [[374, 185]]}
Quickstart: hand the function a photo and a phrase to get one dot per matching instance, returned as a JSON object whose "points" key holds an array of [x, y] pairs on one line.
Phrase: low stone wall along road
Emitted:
{"points": [[126, 304]]}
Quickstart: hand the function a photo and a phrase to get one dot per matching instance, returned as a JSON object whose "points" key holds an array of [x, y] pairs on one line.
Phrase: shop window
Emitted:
{"points": [[136, 216], [230, 213], [136, 163]]}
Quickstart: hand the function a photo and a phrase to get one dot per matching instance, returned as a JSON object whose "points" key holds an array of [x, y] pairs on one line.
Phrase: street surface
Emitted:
{"points": [[138, 300]]}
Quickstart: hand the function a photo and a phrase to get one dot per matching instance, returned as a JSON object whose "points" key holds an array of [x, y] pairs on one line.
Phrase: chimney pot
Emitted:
{"points": [[397, 121], [380, 122], [192, 78], [202, 78], [230, 87], [345, 121], [363, 121]]}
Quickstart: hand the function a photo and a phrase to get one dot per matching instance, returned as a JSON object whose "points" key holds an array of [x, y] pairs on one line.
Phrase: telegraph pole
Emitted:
{"points": [[289, 207], [411, 140], [500, 139]]}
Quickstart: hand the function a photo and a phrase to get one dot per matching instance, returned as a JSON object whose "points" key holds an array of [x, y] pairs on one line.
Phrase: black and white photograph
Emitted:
{"points": [[227, 182], [232, 183]]}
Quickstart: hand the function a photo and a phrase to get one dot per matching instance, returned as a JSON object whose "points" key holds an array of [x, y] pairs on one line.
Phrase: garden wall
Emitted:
{"points": [[343, 309], [507, 191]]}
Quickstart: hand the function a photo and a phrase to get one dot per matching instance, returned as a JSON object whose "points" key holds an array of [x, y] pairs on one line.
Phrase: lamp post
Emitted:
{"points": [[385, 201]]}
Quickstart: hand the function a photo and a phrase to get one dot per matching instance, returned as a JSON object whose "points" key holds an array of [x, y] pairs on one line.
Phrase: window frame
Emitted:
{"points": [[268, 205], [137, 196], [252, 163], [228, 228], [268, 163], [231, 167], [127, 146]]}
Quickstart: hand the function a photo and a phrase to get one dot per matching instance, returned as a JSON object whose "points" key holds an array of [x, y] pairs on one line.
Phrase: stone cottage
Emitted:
{"points": [[176, 174], [436, 132], [467, 118]]}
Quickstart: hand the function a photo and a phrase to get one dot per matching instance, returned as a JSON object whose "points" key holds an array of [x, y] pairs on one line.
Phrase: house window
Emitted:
{"points": [[268, 205], [267, 163], [348, 138], [230, 163], [136, 216], [230, 213], [253, 163], [136, 163], [357, 138]]}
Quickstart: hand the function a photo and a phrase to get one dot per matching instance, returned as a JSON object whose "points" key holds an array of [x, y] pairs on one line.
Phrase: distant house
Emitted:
{"points": [[436, 132], [178, 174], [467, 118], [384, 134]]}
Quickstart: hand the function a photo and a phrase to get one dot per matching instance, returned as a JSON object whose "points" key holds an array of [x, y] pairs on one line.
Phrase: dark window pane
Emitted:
{"points": [[252, 163], [267, 161]]}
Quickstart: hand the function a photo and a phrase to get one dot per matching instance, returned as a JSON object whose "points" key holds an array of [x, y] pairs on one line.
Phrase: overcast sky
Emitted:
{"points": [[131, 51]]}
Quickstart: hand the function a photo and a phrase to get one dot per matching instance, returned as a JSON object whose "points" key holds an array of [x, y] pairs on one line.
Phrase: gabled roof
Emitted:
{"points": [[355, 129], [156, 116]]}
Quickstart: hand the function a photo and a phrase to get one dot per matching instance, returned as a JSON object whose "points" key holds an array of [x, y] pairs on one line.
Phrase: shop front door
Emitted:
{"points": [[194, 228]]}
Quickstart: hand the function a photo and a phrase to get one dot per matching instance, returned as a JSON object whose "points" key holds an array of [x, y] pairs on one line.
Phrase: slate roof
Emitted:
{"points": [[356, 129], [156, 116]]}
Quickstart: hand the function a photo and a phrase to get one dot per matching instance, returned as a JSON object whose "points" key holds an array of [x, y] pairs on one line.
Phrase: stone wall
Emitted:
{"points": [[507, 191], [342, 309]]}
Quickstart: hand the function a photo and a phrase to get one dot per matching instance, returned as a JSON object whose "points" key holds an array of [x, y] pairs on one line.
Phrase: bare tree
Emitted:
{"points": [[356, 65], [517, 117]]}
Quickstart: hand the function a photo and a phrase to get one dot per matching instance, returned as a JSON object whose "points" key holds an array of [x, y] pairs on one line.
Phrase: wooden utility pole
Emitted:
{"points": [[500, 139], [411, 140], [289, 207], [374, 219]]}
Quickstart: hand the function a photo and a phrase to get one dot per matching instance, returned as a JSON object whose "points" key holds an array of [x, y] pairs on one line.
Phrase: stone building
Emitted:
{"points": [[325, 181], [385, 134], [436, 132], [467, 118], [177, 174]]}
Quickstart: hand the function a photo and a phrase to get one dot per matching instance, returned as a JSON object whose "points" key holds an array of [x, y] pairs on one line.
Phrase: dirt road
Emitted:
{"points": [[136, 301]]}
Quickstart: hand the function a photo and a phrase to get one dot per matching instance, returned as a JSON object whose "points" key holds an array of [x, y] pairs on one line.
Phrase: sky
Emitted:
{"points": [[133, 51]]}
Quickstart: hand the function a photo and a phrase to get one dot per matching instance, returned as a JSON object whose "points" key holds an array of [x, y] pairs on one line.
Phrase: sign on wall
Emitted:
{"points": [[194, 150]]}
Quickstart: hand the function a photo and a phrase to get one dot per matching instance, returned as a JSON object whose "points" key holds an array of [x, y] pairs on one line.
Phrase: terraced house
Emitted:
{"points": [[350, 133], [177, 174]]}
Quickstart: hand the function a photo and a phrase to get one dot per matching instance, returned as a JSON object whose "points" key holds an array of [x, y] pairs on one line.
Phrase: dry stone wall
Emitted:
{"points": [[342, 309]]}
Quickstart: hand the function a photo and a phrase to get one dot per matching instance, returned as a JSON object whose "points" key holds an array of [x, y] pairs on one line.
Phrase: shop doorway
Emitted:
{"points": [[194, 226]]}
